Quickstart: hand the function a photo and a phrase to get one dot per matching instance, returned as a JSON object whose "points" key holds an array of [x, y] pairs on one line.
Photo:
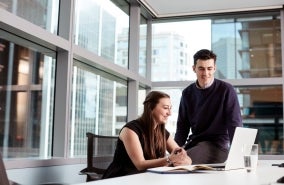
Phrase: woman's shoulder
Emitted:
{"points": [[134, 125]]}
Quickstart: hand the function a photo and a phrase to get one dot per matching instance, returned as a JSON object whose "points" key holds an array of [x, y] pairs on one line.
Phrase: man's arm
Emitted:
{"points": [[182, 129], [234, 117]]}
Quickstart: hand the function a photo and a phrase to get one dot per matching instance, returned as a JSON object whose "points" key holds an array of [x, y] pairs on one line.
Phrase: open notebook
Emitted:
{"points": [[235, 158], [234, 161]]}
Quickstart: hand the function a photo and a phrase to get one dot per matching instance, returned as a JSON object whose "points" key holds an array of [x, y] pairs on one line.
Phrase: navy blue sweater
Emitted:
{"points": [[211, 114]]}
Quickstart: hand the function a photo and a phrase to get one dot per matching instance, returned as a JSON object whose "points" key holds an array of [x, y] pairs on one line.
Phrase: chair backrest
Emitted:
{"points": [[3, 174], [100, 149], [100, 146]]}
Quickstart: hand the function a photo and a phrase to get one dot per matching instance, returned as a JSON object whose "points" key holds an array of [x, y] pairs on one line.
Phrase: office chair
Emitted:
{"points": [[4, 180], [100, 151], [3, 174]]}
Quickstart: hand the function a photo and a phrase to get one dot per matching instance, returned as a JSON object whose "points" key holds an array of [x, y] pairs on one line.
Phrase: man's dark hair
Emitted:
{"points": [[204, 54]]}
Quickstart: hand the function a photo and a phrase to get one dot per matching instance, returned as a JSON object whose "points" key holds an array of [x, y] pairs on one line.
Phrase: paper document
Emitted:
{"points": [[179, 169]]}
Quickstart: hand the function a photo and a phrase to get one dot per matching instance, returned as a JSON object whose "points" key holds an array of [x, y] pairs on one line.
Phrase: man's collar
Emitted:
{"points": [[206, 86]]}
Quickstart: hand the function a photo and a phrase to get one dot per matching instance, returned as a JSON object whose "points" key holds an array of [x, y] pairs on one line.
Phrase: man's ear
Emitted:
{"points": [[193, 68]]}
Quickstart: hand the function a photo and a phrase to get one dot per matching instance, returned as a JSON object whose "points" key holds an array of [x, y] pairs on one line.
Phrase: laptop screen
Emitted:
{"points": [[242, 136]]}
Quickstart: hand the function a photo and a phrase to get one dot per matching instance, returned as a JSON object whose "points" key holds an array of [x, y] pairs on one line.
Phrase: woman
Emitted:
{"points": [[143, 142]]}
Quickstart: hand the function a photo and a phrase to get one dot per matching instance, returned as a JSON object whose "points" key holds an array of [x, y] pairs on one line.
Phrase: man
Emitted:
{"points": [[209, 112]]}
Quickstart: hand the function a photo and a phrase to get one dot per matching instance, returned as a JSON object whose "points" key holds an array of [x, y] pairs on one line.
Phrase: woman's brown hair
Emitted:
{"points": [[155, 135]]}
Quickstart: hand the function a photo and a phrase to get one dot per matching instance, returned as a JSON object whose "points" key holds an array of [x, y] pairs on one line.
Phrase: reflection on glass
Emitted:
{"points": [[99, 105], [26, 100], [248, 47], [43, 13], [102, 28], [262, 108]]}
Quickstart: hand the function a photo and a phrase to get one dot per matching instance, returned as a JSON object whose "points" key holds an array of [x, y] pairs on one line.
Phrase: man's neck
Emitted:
{"points": [[205, 86]]}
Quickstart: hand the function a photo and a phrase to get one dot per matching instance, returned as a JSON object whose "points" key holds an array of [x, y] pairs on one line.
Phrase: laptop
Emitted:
{"points": [[235, 158]]}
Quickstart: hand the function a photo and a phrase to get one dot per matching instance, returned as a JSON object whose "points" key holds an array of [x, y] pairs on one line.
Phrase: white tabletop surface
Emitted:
{"points": [[266, 174]]}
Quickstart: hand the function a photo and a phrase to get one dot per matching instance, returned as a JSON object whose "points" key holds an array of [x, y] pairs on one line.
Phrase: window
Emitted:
{"points": [[27, 73], [99, 100], [102, 28], [262, 108], [43, 13], [248, 47], [166, 37]]}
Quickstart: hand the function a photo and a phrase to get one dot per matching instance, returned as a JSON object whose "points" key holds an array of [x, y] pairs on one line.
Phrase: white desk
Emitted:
{"points": [[264, 175]]}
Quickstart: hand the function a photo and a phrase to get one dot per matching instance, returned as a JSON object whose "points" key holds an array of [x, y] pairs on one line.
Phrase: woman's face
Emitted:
{"points": [[162, 110]]}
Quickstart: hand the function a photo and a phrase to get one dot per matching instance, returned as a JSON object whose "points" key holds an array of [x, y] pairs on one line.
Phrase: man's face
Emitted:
{"points": [[204, 70]]}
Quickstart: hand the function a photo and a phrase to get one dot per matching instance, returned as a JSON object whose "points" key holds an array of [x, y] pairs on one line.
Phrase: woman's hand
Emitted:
{"points": [[179, 157]]}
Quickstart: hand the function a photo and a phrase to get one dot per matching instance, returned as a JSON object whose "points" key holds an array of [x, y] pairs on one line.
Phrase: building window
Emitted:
{"points": [[155, 52]]}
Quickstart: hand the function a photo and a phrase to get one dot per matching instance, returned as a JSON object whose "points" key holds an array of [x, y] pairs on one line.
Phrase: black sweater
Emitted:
{"points": [[211, 114], [122, 164]]}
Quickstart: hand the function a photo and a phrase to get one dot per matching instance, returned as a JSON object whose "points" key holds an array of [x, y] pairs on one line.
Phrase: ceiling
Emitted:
{"points": [[172, 8]]}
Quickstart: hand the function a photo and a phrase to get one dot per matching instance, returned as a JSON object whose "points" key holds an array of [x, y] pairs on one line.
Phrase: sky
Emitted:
{"points": [[198, 33]]}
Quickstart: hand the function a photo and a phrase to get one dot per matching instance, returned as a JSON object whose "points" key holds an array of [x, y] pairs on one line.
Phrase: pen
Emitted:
{"points": [[279, 165]]}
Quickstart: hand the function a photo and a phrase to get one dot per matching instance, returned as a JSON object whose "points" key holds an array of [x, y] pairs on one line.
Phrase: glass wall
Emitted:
{"points": [[99, 105], [43, 13], [102, 28], [262, 109], [27, 74], [173, 45], [247, 46]]}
